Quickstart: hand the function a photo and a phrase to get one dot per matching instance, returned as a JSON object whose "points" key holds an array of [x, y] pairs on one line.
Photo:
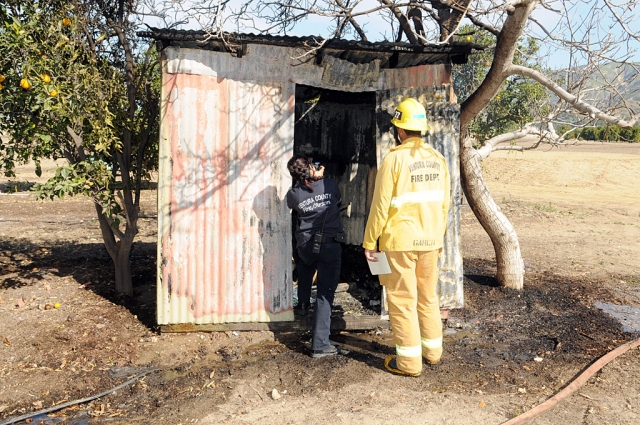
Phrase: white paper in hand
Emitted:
{"points": [[381, 266]]}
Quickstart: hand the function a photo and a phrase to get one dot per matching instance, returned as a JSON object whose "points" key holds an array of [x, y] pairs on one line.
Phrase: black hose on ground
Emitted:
{"points": [[71, 403]]}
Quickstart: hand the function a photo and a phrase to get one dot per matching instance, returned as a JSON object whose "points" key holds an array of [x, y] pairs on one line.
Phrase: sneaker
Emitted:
{"points": [[329, 351], [335, 344], [391, 365], [309, 343]]}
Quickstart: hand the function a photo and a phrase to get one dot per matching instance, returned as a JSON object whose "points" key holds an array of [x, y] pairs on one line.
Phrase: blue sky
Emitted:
{"points": [[377, 28]]}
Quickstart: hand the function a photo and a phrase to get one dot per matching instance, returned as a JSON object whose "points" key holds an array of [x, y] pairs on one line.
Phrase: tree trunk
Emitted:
{"points": [[122, 264], [119, 251], [510, 265], [503, 236]]}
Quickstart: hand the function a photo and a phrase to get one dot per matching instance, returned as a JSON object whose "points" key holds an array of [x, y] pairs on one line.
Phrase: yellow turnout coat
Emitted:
{"points": [[411, 200]]}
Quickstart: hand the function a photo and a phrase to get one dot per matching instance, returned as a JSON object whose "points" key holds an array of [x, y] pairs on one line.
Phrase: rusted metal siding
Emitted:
{"points": [[224, 238], [291, 65], [444, 135], [444, 120]]}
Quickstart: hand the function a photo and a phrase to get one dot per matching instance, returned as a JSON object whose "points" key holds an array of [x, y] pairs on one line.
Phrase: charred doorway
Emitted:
{"points": [[338, 129]]}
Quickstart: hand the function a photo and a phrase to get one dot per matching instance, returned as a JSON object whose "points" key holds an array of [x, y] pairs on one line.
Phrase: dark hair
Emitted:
{"points": [[413, 133], [298, 167]]}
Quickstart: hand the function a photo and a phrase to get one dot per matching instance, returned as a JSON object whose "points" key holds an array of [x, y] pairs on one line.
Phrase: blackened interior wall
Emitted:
{"points": [[338, 129]]}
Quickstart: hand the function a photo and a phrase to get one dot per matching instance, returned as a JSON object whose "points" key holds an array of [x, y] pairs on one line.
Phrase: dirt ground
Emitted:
{"points": [[65, 335]]}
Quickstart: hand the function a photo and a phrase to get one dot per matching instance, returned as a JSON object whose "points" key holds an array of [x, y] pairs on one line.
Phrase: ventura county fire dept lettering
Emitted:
{"points": [[420, 165], [315, 202], [417, 165], [424, 178]]}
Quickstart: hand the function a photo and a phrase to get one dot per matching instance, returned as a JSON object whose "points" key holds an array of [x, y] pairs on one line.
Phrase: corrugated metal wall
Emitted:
{"points": [[285, 64], [223, 178]]}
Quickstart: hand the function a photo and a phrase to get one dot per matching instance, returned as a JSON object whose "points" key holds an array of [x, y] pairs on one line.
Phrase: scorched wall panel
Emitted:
{"points": [[225, 231]]}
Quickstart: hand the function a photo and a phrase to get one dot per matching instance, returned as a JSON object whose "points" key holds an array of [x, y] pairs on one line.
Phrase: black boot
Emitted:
{"points": [[302, 309]]}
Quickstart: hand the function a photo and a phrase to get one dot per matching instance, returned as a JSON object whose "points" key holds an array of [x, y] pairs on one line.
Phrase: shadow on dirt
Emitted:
{"points": [[501, 329], [23, 264], [503, 340], [15, 186], [481, 271]]}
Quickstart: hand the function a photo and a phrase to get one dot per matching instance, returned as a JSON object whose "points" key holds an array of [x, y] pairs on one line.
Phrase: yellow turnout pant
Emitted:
{"points": [[414, 307]]}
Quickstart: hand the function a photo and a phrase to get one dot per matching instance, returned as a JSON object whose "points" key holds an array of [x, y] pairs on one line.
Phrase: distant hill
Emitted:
{"points": [[625, 79]]}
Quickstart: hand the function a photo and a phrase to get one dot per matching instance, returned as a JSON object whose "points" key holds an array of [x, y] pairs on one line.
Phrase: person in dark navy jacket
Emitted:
{"points": [[316, 200]]}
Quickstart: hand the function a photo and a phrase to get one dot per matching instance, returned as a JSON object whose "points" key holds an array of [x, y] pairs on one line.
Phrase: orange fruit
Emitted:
{"points": [[46, 78], [468, 38], [25, 84], [0, 86], [66, 22], [1, 78], [53, 93]]}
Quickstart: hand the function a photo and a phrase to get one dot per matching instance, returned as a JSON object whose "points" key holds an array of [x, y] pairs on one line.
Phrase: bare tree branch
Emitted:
{"points": [[573, 100], [622, 23], [478, 23], [402, 20], [354, 24]]}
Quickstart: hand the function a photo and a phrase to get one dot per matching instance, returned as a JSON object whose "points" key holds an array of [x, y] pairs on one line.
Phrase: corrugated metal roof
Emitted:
{"points": [[390, 55]]}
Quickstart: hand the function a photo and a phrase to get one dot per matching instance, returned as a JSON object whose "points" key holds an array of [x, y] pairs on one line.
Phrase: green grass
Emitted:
{"points": [[545, 208]]}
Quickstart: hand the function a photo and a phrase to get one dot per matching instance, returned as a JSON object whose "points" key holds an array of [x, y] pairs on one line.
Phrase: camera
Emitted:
{"points": [[317, 243], [315, 166]]}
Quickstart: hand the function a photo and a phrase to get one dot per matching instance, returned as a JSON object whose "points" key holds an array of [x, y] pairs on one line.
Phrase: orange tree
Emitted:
{"points": [[518, 102], [75, 84]]}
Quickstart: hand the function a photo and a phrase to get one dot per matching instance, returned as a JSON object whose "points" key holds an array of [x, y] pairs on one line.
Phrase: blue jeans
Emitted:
{"points": [[327, 262]]}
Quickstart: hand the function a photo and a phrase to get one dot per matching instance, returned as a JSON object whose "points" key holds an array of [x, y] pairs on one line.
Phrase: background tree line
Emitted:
{"points": [[608, 133]]}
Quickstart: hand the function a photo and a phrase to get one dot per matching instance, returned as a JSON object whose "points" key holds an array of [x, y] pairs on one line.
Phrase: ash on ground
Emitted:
{"points": [[359, 292]]}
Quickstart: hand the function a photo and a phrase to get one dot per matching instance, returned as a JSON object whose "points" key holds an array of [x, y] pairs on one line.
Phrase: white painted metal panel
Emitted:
{"points": [[225, 231]]}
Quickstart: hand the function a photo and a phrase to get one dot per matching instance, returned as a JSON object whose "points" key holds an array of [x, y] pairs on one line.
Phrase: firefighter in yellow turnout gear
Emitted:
{"points": [[409, 215]]}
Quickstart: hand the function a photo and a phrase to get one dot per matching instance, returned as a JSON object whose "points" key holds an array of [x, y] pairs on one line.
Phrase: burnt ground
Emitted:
{"points": [[505, 352]]}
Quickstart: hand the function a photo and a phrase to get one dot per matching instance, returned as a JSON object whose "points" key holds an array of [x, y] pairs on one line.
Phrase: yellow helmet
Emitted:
{"points": [[410, 115]]}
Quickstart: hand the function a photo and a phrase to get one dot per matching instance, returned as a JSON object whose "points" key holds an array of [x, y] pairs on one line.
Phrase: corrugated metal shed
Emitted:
{"points": [[390, 55], [227, 130]]}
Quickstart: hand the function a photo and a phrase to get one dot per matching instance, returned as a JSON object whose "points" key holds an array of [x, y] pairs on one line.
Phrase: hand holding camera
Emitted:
{"points": [[316, 170]]}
